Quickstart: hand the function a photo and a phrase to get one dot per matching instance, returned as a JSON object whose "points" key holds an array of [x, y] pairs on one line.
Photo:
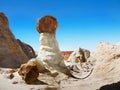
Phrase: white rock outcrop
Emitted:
{"points": [[49, 51], [107, 62]]}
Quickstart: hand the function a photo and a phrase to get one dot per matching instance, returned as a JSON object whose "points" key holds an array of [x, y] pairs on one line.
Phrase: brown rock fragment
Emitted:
{"points": [[10, 76], [29, 72]]}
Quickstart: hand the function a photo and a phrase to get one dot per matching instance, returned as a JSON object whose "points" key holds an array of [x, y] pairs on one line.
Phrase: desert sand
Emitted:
{"points": [[47, 82]]}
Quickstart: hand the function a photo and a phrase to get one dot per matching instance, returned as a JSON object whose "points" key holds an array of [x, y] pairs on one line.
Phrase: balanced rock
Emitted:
{"points": [[29, 72], [11, 54], [49, 53]]}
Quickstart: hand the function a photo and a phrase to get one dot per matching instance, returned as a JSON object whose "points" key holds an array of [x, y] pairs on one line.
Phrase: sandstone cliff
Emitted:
{"points": [[11, 53]]}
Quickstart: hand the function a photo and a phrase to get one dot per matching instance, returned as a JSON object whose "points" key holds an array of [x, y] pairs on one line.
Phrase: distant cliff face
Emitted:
{"points": [[11, 53], [27, 49]]}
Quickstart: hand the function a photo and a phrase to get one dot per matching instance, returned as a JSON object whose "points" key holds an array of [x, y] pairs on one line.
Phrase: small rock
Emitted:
{"points": [[32, 88], [10, 76], [14, 82], [51, 88]]}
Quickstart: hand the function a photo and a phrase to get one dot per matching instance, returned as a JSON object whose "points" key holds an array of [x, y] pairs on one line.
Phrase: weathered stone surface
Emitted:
{"points": [[107, 62], [28, 50], [79, 55], [29, 72], [78, 63], [47, 24], [11, 54], [49, 53], [3, 19]]}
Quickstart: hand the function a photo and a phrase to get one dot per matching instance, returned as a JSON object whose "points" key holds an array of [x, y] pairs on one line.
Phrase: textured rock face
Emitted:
{"points": [[107, 65], [49, 51], [3, 19], [78, 56], [11, 54], [28, 50], [78, 63]]}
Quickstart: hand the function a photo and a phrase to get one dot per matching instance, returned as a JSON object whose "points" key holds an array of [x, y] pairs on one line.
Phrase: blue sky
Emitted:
{"points": [[82, 23]]}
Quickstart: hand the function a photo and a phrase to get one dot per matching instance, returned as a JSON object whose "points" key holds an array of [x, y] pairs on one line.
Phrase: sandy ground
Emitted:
{"points": [[46, 82]]}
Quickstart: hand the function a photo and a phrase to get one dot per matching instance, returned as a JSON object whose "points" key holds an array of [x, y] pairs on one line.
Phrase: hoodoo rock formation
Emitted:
{"points": [[50, 53], [11, 53]]}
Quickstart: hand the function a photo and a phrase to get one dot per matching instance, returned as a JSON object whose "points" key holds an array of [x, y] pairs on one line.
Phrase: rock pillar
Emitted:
{"points": [[49, 53]]}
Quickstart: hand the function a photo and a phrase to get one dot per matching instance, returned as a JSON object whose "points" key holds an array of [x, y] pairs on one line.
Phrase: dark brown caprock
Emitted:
{"points": [[47, 24]]}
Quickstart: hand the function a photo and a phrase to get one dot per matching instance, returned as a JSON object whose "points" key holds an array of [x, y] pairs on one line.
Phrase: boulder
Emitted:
{"points": [[114, 86], [29, 72], [11, 53]]}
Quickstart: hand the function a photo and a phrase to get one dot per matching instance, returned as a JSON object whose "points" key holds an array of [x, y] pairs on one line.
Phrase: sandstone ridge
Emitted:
{"points": [[11, 52]]}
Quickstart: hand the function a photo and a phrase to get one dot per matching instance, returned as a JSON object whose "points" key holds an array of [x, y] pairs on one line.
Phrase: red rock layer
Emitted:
{"points": [[66, 54]]}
